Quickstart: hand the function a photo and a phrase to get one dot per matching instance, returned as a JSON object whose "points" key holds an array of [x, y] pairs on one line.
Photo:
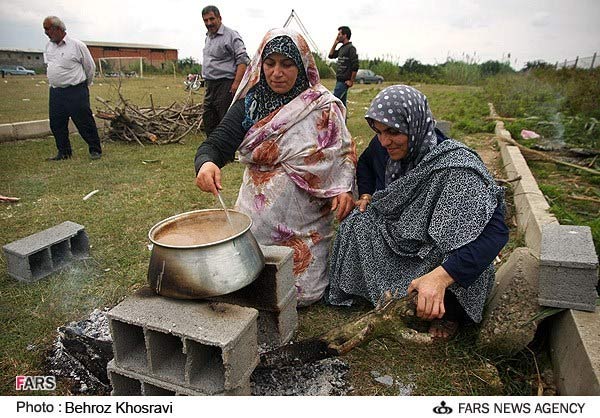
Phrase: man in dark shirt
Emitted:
{"points": [[347, 63]]}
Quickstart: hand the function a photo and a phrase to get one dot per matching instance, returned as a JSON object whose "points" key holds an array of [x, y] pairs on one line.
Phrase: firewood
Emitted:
{"points": [[154, 125], [391, 318]]}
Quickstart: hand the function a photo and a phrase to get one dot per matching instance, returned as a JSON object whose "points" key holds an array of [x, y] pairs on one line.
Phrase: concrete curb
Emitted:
{"points": [[575, 341], [34, 129], [533, 212]]}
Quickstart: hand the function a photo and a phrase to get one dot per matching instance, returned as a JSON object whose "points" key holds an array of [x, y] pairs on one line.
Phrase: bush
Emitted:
{"points": [[325, 71], [460, 73], [559, 104]]}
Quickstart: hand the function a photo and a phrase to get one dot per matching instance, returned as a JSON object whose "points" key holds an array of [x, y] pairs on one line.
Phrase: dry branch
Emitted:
{"points": [[155, 125], [391, 318], [528, 151]]}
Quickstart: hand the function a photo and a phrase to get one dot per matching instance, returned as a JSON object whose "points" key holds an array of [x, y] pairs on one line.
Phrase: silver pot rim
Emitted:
{"points": [[210, 244]]}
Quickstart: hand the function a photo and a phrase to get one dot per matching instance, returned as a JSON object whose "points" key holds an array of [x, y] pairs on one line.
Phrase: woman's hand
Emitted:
{"points": [[343, 203], [363, 201], [432, 288], [209, 178]]}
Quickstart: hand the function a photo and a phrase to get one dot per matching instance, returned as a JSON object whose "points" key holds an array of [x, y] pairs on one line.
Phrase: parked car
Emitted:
{"points": [[16, 70], [367, 77]]}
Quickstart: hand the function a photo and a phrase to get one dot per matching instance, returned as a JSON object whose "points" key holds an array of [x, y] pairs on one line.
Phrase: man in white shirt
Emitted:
{"points": [[70, 71], [224, 61]]}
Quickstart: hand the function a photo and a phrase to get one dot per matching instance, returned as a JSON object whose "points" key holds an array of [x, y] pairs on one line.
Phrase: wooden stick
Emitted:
{"points": [[548, 158], [585, 198]]}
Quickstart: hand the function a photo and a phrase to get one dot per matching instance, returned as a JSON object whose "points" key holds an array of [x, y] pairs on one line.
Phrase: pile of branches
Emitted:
{"points": [[155, 125]]}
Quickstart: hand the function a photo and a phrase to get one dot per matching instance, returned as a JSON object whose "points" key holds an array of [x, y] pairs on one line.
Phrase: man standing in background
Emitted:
{"points": [[347, 63], [70, 73], [223, 65]]}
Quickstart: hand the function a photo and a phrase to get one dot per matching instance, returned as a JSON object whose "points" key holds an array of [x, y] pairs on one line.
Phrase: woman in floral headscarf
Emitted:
{"points": [[290, 133], [435, 228]]}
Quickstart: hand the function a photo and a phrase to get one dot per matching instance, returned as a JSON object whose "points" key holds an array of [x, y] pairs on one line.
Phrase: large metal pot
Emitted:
{"points": [[199, 254]]}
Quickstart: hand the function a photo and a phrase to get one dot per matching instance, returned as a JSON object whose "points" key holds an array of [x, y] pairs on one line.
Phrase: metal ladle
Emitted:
{"points": [[225, 209]]}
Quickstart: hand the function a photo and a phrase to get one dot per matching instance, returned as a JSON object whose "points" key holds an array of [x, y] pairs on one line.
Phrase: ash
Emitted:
{"points": [[320, 378], [80, 354], [82, 350]]}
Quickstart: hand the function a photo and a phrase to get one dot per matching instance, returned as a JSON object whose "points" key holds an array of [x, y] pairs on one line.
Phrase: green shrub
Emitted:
{"points": [[556, 104], [460, 73], [325, 70]]}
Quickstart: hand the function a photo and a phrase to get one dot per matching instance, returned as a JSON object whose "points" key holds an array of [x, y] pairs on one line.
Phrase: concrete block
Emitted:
{"points": [[444, 126], [575, 352], [270, 290], [36, 256], [507, 325], [276, 328], [32, 129], [568, 268], [6, 132], [208, 346], [129, 383]]}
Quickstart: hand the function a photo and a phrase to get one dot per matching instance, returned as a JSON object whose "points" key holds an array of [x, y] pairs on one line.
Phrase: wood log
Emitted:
{"points": [[392, 318]]}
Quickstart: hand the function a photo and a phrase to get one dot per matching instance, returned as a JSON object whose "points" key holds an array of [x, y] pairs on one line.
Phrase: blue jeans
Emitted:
{"points": [[341, 91]]}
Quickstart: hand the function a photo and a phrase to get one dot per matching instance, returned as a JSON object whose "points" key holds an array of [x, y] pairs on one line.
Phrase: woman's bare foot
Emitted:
{"points": [[443, 329]]}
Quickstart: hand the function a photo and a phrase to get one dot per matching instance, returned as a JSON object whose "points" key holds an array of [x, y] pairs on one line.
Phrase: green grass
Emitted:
{"points": [[133, 196]]}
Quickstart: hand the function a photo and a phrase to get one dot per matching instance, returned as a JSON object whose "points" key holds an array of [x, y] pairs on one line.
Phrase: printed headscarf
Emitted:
{"points": [[405, 108], [261, 100]]}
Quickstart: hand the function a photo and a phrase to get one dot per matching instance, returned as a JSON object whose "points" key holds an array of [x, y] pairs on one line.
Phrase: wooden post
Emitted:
{"points": [[576, 59], [593, 61], [141, 67]]}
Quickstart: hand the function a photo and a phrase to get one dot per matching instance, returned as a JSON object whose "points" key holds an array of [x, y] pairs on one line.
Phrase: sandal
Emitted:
{"points": [[443, 329]]}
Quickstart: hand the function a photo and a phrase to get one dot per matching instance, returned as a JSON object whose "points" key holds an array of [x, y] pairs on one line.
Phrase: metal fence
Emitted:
{"points": [[580, 62]]}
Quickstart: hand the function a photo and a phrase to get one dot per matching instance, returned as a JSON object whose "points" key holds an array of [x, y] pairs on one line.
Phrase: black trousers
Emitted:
{"points": [[216, 103], [72, 102]]}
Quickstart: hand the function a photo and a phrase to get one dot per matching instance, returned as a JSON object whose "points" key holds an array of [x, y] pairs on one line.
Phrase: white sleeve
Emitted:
{"points": [[89, 67]]}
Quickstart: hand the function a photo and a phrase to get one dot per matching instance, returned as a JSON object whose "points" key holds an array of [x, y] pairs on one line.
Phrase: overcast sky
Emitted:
{"points": [[427, 30]]}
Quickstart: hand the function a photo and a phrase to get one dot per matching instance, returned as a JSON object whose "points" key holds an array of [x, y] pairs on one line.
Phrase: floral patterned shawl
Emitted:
{"points": [[298, 157]]}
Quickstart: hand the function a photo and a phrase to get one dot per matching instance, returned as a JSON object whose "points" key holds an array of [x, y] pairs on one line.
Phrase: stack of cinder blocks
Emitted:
{"points": [[166, 346], [568, 273], [274, 295], [36, 256]]}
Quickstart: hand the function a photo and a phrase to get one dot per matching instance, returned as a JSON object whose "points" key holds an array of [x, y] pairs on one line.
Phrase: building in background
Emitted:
{"points": [[154, 55], [31, 59]]}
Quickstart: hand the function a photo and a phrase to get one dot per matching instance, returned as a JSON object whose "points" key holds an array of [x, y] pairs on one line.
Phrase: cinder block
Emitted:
{"points": [[210, 347], [568, 268], [129, 383], [36, 256], [272, 287], [276, 328], [444, 126]]}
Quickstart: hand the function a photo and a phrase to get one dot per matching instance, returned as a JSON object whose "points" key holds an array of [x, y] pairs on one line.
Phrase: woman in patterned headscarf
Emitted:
{"points": [[435, 228], [290, 133]]}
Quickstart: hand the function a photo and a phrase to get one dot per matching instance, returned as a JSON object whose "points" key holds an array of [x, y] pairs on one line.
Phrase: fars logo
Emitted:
{"points": [[35, 382]]}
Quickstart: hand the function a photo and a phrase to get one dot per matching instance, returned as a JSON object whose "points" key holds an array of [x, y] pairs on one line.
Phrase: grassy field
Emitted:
{"points": [[134, 195]]}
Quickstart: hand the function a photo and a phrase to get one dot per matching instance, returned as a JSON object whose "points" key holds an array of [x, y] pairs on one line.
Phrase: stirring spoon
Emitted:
{"points": [[225, 209]]}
